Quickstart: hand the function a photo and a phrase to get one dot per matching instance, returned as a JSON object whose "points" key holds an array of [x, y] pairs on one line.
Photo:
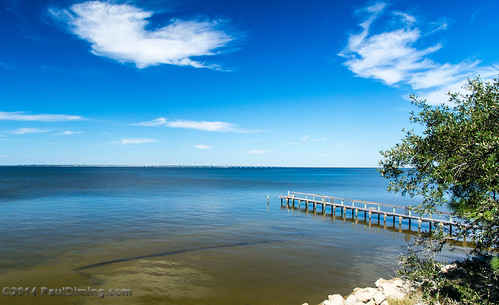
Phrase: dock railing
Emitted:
{"points": [[371, 208]]}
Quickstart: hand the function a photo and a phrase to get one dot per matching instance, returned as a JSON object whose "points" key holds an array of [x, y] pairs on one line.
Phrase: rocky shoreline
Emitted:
{"points": [[394, 289]]}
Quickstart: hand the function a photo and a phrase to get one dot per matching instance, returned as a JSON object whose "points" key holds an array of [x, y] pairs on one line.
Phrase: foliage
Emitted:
{"points": [[494, 263], [468, 282], [454, 161]]}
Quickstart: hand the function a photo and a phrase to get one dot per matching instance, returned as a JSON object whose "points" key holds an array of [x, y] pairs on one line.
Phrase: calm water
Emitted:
{"points": [[189, 235]]}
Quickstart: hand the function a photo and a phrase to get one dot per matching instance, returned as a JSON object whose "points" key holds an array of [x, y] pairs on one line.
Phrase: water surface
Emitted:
{"points": [[189, 235]]}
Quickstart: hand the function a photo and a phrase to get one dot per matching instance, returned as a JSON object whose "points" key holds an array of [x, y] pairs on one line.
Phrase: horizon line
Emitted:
{"points": [[181, 165]]}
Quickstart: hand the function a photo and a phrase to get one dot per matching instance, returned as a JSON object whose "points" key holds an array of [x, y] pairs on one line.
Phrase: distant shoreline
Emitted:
{"points": [[190, 166]]}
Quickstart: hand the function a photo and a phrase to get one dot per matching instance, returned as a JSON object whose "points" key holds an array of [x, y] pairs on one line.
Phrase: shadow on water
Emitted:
{"points": [[114, 261]]}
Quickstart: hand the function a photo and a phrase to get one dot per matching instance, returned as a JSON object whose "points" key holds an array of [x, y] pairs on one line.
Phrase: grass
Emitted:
{"points": [[405, 301]]}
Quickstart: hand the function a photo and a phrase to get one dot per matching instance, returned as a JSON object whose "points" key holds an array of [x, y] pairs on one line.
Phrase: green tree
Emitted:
{"points": [[454, 161]]}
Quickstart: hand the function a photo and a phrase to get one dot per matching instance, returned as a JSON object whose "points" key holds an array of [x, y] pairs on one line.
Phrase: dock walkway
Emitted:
{"points": [[369, 209]]}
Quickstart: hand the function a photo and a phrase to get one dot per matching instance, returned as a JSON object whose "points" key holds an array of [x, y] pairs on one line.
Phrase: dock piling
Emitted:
{"points": [[368, 208]]}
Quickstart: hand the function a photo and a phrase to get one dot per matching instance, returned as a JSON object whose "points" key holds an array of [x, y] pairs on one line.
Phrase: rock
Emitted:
{"points": [[366, 294], [448, 268], [378, 297], [380, 282], [393, 288], [407, 288], [352, 300], [336, 302], [397, 282], [335, 299], [304, 304]]}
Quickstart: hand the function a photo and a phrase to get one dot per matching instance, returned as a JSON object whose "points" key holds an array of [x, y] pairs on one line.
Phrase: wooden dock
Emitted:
{"points": [[369, 209]]}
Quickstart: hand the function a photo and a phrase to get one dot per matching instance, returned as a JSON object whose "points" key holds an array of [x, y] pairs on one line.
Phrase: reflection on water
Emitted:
{"points": [[189, 236]]}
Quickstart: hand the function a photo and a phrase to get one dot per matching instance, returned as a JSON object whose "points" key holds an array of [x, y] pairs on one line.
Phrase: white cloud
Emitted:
{"points": [[198, 125], [134, 141], [408, 18], [202, 146], [23, 116], [258, 152], [318, 139], [29, 130], [306, 138], [392, 57], [118, 31], [67, 133]]}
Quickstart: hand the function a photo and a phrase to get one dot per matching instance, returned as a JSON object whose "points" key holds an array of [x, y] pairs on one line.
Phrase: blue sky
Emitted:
{"points": [[284, 83]]}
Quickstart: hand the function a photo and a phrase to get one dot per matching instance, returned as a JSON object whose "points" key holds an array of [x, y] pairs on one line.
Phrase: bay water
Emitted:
{"points": [[188, 235]]}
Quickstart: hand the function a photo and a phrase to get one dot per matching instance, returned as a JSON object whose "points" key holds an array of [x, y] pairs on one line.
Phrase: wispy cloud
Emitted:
{"points": [[216, 126], [202, 146], [122, 32], [6, 66], [392, 57], [24, 116], [134, 141], [29, 130], [306, 138], [258, 152], [67, 133]]}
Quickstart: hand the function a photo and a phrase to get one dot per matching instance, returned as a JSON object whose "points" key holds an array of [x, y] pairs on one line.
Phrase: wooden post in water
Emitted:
{"points": [[289, 201]]}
